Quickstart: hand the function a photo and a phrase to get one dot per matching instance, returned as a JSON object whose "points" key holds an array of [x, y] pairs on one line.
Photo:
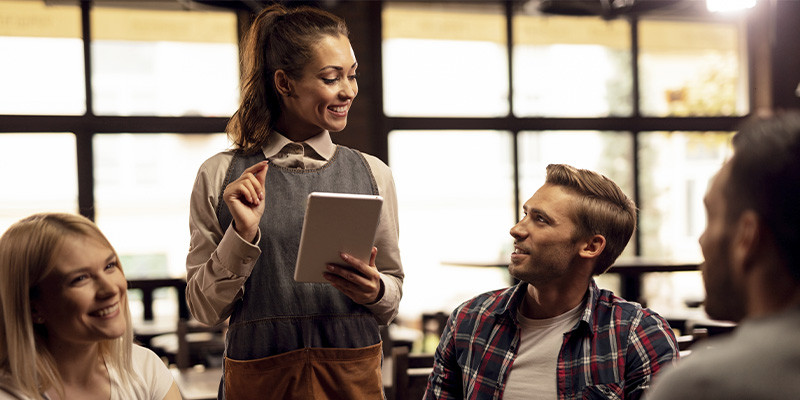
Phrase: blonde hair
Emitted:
{"points": [[28, 250]]}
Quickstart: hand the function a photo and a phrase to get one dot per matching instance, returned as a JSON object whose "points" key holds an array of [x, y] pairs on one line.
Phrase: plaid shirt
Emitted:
{"points": [[612, 352]]}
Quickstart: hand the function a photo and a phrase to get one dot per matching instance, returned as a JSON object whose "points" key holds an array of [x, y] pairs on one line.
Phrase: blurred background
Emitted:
{"points": [[107, 108]]}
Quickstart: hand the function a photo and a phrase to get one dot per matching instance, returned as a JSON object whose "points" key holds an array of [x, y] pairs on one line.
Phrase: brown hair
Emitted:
{"points": [[278, 39], [602, 209]]}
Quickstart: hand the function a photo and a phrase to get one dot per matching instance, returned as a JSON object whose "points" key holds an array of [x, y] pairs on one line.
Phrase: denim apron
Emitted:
{"points": [[290, 340]]}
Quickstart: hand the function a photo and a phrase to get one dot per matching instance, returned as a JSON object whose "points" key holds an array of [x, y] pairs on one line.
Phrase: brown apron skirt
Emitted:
{"points": [[307, 374]]}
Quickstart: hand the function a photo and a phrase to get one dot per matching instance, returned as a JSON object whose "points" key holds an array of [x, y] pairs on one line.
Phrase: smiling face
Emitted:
{"points": [[544, 239], [321, 98], [83, 299]]}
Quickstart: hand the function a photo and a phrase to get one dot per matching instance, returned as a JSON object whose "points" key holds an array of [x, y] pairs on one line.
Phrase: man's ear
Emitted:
{"points": [[283, 83], [593, 247], [746, 237]]}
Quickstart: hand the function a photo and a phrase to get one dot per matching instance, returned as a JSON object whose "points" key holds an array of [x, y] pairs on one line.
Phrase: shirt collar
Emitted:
{"points": [[517, 293], [321, 143], [591, 305]]}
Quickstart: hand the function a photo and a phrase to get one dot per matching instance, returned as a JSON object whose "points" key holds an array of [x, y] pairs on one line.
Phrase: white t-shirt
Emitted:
{"points": [[533, 373], [152, 378], [151, 381]]}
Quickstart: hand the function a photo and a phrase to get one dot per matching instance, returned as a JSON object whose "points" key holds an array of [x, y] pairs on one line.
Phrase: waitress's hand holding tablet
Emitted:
{"points": [[336, 244]]}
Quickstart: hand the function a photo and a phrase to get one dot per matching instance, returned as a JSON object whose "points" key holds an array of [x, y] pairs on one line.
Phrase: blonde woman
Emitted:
{"points": [[66, 326]]}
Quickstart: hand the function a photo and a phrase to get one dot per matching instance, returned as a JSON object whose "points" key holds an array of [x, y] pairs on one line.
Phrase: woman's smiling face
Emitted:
{"points": [[84, 298], [321, 98]]}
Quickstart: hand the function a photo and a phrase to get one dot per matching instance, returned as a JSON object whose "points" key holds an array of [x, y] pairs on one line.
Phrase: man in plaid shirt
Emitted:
{"points": [[556, 334]]}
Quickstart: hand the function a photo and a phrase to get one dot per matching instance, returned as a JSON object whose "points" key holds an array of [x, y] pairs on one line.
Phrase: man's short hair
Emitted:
{"points": [[602, 209], [765, 178]]}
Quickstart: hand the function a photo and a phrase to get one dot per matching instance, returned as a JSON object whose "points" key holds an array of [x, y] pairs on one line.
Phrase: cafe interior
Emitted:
{"points": [[114, 104]]}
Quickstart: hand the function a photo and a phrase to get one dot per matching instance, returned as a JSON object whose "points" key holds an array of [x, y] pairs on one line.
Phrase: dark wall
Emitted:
{"points": [[786, 54]]}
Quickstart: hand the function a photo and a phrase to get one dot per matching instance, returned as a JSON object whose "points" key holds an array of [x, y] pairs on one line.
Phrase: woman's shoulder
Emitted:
{"points": [[142, 356], [220, 160], [378, 167], [373, 160], [152, 378]]}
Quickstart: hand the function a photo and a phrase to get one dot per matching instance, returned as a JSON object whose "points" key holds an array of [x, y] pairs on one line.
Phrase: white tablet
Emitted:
{"points": [[335, 223]]}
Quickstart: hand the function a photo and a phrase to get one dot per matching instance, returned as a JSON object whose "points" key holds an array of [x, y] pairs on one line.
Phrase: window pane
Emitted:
{"points": [[693, 69], [457, 208], [571, 67], [142, 187], [46, 182], [444, 60], [609, 153], [674, 173], [41, 71], [165, 63]]}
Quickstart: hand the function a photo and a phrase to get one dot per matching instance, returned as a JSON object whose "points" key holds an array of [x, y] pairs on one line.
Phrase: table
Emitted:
{"points": [[630, 272], [197, 383]]}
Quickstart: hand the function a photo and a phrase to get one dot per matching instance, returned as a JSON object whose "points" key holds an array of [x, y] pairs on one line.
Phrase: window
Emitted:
{"points": [[692, 68], [156, 62], [455, 200], [142, 188], [571, 67], [42, 51], [676, 168], [569, 97], [39, 173], [444, 60], [162, 84]]}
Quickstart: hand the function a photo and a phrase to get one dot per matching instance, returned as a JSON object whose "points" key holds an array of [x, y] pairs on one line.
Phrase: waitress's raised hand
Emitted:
{"points": [[245, 200]]}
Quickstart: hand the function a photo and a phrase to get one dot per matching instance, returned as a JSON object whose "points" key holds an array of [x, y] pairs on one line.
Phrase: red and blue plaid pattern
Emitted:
{"points": [[611, 353]]}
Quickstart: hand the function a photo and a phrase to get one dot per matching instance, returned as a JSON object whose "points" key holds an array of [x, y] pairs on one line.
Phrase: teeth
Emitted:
{"points": [[106, 311], [339, 109]]}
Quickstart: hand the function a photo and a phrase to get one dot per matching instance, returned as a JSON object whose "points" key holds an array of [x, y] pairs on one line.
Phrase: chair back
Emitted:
{"points": [[410, 373]]}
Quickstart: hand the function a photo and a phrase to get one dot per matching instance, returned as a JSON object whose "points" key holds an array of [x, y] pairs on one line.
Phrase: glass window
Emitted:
{"points": [[693, 69], [444, 60], [571, 67], [609, 153], [42, 59], [39, 175], [455, 193], [674, 294], [164, 63], [142, 187], [675, 169]]}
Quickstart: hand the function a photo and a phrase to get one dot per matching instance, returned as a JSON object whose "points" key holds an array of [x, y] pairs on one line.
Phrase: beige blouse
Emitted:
{"points": [[219, 262]]}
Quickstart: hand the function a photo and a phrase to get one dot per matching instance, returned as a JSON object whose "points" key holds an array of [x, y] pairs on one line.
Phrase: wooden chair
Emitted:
{"points": [[409, 374], [688, 342]]}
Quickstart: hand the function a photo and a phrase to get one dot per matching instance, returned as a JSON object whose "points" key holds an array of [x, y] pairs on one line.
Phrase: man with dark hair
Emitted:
{"points": [[556, 334], [751, 272]]}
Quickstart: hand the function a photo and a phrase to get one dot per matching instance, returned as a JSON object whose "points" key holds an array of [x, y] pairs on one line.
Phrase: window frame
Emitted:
{"points": [[85, 126], [636, 124]]}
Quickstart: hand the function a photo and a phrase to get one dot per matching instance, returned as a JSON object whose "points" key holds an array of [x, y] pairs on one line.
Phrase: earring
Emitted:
{"points": [[38, 320]]}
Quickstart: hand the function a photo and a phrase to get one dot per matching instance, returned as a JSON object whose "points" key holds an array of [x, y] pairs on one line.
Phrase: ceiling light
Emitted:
{"points": [[729, 5]]}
